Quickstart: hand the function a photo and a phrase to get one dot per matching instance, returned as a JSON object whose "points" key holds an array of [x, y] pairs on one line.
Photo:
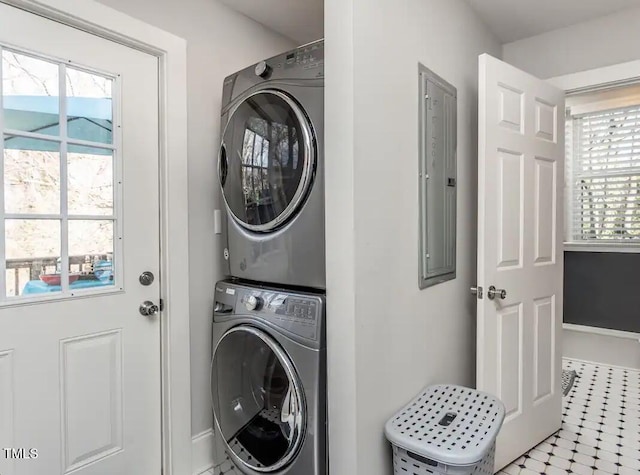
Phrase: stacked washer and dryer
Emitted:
{"points": [[268, 369]]}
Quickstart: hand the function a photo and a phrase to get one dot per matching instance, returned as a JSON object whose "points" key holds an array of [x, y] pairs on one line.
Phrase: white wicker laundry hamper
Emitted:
{"points": [[446, 430]]}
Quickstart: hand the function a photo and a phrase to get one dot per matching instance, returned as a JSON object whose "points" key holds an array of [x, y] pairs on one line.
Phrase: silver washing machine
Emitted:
{"points": [[271, 170], [268, 381]]}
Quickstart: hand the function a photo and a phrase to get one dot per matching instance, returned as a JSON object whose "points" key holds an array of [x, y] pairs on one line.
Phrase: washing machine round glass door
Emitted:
{"points": [[267, 160], [257, 400]]}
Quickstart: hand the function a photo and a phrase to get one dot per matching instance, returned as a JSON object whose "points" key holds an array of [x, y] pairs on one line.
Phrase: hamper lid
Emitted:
{"points": [[449, 424]]}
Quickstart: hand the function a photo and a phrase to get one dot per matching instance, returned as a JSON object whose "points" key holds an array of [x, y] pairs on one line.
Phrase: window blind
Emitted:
{"points": [[605, 176]]}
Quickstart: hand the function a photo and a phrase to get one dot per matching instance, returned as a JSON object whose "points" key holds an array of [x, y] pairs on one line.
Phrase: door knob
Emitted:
{"points": [[148, 309], [493, 293]]}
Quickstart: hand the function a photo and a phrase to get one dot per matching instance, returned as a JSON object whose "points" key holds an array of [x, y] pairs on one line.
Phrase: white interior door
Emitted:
{"points": [[520, 180], [79, 223]]}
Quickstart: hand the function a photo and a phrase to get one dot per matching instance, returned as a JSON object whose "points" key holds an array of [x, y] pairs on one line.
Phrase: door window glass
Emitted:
{"points": [[256, 401], [34, 257], [30, 93], [89, 107], [268, 163], [59, 227], [31, 176], [90, 180]]}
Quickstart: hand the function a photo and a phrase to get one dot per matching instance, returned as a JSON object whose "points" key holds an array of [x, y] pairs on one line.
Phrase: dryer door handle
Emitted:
{"points": [[223, 165]]}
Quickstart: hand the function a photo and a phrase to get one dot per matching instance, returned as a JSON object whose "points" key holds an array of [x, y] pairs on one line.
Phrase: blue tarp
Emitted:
{"points": [[76, 106], [87, 119]]}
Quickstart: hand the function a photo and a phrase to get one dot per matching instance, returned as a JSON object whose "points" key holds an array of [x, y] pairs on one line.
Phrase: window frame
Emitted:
{"points": [[577, 245], [618, 75], [63, 216]]}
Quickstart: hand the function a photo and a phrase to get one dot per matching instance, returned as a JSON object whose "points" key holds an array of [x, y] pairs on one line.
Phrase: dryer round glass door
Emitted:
{"points": [[257, 400], [267, 159]]}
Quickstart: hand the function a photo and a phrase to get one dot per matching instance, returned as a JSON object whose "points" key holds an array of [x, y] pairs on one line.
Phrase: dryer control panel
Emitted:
{"points": [[296, 314], [303, 65], [307, 57]]}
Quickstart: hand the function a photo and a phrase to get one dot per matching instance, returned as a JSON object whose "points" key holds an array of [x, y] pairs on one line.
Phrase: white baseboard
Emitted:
{"points": [[202, 452], [601, 345]]}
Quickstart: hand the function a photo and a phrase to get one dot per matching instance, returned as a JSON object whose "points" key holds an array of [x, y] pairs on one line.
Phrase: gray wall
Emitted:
{"points": [[219, 42], [602, 290]]}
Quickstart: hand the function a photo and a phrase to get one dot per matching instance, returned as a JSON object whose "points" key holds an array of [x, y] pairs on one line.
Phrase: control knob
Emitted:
{"points": [[253, 302], [263, 69]]}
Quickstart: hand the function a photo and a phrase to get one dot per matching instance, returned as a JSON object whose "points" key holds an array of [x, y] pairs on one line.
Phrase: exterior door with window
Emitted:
{"points": [[79, 223], [520, 245]]}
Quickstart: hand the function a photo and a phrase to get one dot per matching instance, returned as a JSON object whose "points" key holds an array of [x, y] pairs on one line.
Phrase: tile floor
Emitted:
{"points": [[600, 427], [600, 432]]}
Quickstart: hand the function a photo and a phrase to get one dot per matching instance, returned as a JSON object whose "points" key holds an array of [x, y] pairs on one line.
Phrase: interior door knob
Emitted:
{"points": [[493, 293], [148, 308]]}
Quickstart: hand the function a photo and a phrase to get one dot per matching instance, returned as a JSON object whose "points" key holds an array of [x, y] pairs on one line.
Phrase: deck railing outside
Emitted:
{"points": [[21, 271]]}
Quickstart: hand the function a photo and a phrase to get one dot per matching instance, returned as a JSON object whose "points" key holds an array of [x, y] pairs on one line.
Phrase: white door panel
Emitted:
{"points": [[80, 370], [6, 406], [520, 173]]}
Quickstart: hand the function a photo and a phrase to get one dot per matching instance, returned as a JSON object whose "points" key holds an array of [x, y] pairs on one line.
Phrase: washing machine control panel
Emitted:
{"points": [[295, 314], [301, 308]]}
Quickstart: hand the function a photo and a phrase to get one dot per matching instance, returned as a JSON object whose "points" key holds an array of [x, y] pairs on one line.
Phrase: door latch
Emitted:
{"points": [[477, 291], [146, 278]]}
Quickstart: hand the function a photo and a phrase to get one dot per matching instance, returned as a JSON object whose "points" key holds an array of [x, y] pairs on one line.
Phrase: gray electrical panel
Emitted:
{"points": [[438, 179]]}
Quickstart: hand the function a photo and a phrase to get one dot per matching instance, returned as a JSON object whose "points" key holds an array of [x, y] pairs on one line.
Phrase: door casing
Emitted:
{"points": [[105, 22]]}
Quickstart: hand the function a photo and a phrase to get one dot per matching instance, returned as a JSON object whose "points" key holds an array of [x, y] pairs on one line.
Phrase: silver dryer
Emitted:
{"points": [[271, 170]]}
